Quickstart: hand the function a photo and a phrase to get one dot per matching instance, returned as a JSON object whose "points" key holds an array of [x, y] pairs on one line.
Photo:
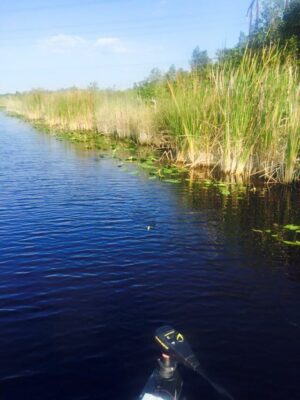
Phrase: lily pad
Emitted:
{"points": [[208, 182], [289, 243], [224, 191], [149, 162], [167, 171], [148, 166], [292, 227], [172, 180]]}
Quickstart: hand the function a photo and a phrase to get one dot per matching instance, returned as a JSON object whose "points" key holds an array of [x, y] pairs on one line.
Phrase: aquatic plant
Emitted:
{"points": [[121, 114], [242, 119], [288, 234]]}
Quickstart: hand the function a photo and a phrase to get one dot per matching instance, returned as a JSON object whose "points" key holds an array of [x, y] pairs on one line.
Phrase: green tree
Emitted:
{"points": [[199, 59], [290, 25], [242, 39], [267, 26], [171, 74], [271, 13], [151, 85]]}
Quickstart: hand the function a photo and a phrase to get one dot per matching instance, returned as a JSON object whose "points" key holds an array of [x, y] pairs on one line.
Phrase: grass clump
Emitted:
{"points": [[243, 118]]}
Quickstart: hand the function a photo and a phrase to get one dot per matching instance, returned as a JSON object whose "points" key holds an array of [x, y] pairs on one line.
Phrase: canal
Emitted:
{"points": [[95, 256]]}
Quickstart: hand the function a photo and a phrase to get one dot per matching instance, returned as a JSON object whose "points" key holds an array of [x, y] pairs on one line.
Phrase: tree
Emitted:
{"points": [[171, 74], [199, 59], [271, 13], [93, 86], [242, 40], [279, 22], [150, 86], [290, 25]]}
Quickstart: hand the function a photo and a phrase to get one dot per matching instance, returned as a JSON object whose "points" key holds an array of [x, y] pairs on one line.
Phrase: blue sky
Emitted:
{"points": [[60, 43]]}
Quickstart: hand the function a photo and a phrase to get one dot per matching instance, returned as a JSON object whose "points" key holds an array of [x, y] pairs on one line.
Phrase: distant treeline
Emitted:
{"points": [[278, 23]]}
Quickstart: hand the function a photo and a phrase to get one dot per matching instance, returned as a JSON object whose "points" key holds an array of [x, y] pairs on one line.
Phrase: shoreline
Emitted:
{"points": [[151, 157]]}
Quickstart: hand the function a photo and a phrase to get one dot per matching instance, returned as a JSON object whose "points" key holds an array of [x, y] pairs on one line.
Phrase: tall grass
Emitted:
{"points": [[122, 114], [242, 119]]}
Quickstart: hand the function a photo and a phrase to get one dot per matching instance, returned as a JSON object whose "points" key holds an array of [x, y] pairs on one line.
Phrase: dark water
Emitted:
{"points": [[84, 284]]}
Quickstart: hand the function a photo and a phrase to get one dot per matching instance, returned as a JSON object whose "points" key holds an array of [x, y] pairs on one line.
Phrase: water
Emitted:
{"points": [[84, 284]]}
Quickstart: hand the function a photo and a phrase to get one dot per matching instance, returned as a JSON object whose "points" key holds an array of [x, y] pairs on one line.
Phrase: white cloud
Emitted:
{"points": [[111, 44], [107, 41], [62, 43]]}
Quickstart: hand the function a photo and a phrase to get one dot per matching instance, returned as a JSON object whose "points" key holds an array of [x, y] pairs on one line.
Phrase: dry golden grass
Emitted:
{"points": [[110, 113]]}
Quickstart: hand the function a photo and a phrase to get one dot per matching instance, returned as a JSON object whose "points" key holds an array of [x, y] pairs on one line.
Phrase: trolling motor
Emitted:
{"points": [[165, 383]]}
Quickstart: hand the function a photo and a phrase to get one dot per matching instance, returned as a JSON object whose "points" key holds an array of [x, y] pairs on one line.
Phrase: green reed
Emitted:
{"points": [[242, 119]]}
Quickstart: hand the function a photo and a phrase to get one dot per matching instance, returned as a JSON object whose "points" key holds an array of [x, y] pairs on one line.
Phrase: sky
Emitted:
{"points": [[55, 44]]}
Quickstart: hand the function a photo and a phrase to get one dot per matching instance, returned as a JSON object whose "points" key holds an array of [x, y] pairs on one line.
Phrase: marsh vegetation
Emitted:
{"points": [[241, 119], [239, 116]]}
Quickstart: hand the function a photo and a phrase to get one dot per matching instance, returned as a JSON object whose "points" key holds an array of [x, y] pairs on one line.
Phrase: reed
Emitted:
{"points": [[122, 114], [242, 119]]}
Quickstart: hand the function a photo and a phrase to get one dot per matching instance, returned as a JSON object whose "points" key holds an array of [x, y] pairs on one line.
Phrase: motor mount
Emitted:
{"points": [[165, 383], [174, 344]]}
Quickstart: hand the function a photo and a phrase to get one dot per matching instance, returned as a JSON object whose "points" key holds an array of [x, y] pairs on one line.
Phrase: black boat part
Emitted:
{"points": [[165, 382]]}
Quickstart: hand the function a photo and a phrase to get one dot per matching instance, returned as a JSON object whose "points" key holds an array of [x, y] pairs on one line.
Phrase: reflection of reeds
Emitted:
{"points": [[243, 119]]}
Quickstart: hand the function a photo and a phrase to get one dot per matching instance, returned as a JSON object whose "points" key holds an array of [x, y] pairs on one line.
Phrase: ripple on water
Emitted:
{"points": [[84, 283]]}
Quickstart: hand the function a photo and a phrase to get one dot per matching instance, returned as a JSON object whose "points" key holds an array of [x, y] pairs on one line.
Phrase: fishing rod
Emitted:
{"points": [[165, 382]]}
